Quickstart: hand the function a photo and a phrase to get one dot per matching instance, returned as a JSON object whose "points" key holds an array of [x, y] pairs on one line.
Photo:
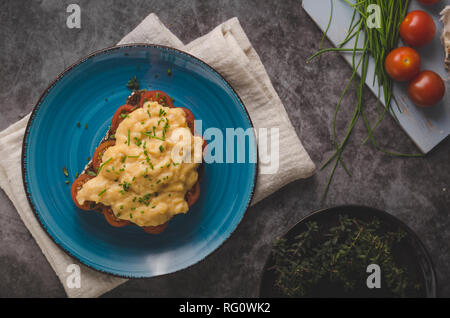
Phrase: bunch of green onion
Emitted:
{"points": [[378, 42]]}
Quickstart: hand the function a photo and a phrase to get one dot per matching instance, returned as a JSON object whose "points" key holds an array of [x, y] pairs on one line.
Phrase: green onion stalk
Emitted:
{"points": [[378, 42]]}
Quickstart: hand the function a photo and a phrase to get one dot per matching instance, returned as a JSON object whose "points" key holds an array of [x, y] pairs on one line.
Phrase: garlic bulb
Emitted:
{"points": [[446, 35]]}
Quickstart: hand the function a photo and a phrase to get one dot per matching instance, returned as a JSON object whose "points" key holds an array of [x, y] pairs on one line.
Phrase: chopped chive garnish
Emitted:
{"points": [[169, 71], [121, 207], [102, 192], [161, 148], [162, 113], [133, 83], [128, 137], [153, 136], [137, 141], [66, 173], [67, 181], [125, 185], [131, 216], [102, 165], [91, 173]]}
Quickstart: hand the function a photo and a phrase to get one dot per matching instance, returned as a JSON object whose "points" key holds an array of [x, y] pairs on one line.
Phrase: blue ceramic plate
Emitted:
{"points": [[89, 92]]}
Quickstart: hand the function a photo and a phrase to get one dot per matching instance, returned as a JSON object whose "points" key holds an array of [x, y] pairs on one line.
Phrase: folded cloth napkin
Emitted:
{"points": [[228, 50]]}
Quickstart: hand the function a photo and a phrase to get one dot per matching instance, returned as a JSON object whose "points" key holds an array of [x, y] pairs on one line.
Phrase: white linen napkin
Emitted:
{"points": [[228, 50]]}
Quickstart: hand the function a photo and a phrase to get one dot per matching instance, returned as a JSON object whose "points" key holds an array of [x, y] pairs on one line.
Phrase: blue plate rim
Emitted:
{"points": [[44, 94]]}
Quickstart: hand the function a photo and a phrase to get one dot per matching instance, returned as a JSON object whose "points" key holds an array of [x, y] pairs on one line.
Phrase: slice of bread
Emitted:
{"points": [[191, 196]]}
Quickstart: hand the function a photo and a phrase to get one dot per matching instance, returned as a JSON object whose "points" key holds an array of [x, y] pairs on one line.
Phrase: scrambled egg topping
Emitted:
{"points": [[145, 176]]}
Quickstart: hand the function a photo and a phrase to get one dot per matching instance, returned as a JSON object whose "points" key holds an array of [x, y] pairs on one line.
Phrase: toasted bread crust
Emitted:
{"points": [[134, 100]]}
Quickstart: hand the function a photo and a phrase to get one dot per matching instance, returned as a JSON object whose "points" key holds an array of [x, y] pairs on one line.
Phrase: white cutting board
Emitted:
{"points": [[426, 127]]}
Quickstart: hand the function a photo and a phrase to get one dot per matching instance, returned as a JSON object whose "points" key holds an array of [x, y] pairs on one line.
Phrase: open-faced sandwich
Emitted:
{"points": [[146, 169]]}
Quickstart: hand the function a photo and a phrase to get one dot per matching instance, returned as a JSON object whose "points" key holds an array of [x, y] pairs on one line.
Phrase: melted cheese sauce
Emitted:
{"points": [[145, 176]]}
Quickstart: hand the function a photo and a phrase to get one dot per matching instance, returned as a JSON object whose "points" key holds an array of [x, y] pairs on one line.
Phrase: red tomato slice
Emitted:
{"points": [[155, 229], [158, 96], [118, 116], [189, 119], [193, 195], [76, 186], [112, 219], [98, 154]]}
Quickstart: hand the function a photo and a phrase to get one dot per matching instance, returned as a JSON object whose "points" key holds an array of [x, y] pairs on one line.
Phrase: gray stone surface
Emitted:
{"points": [[36, 46]]}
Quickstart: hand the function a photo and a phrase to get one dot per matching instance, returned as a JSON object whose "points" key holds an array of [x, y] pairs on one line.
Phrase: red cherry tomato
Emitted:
{"points": [[402, 64], [417, 29], [155, 229], [76, 186], [158, 96], [119, 116], [112, 219], [426, 89], [98, 154], [429, 2]]}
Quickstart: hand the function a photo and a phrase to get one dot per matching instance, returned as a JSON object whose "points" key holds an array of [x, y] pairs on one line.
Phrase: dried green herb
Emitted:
{"points": [[133, 83], [331, 260]]}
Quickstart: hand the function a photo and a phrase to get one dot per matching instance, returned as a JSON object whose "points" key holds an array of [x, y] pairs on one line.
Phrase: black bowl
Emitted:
{"points": [[411, 245]]}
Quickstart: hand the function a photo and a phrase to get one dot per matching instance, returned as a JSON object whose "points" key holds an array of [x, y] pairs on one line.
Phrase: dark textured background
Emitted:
{"points": [[36, 46]]}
